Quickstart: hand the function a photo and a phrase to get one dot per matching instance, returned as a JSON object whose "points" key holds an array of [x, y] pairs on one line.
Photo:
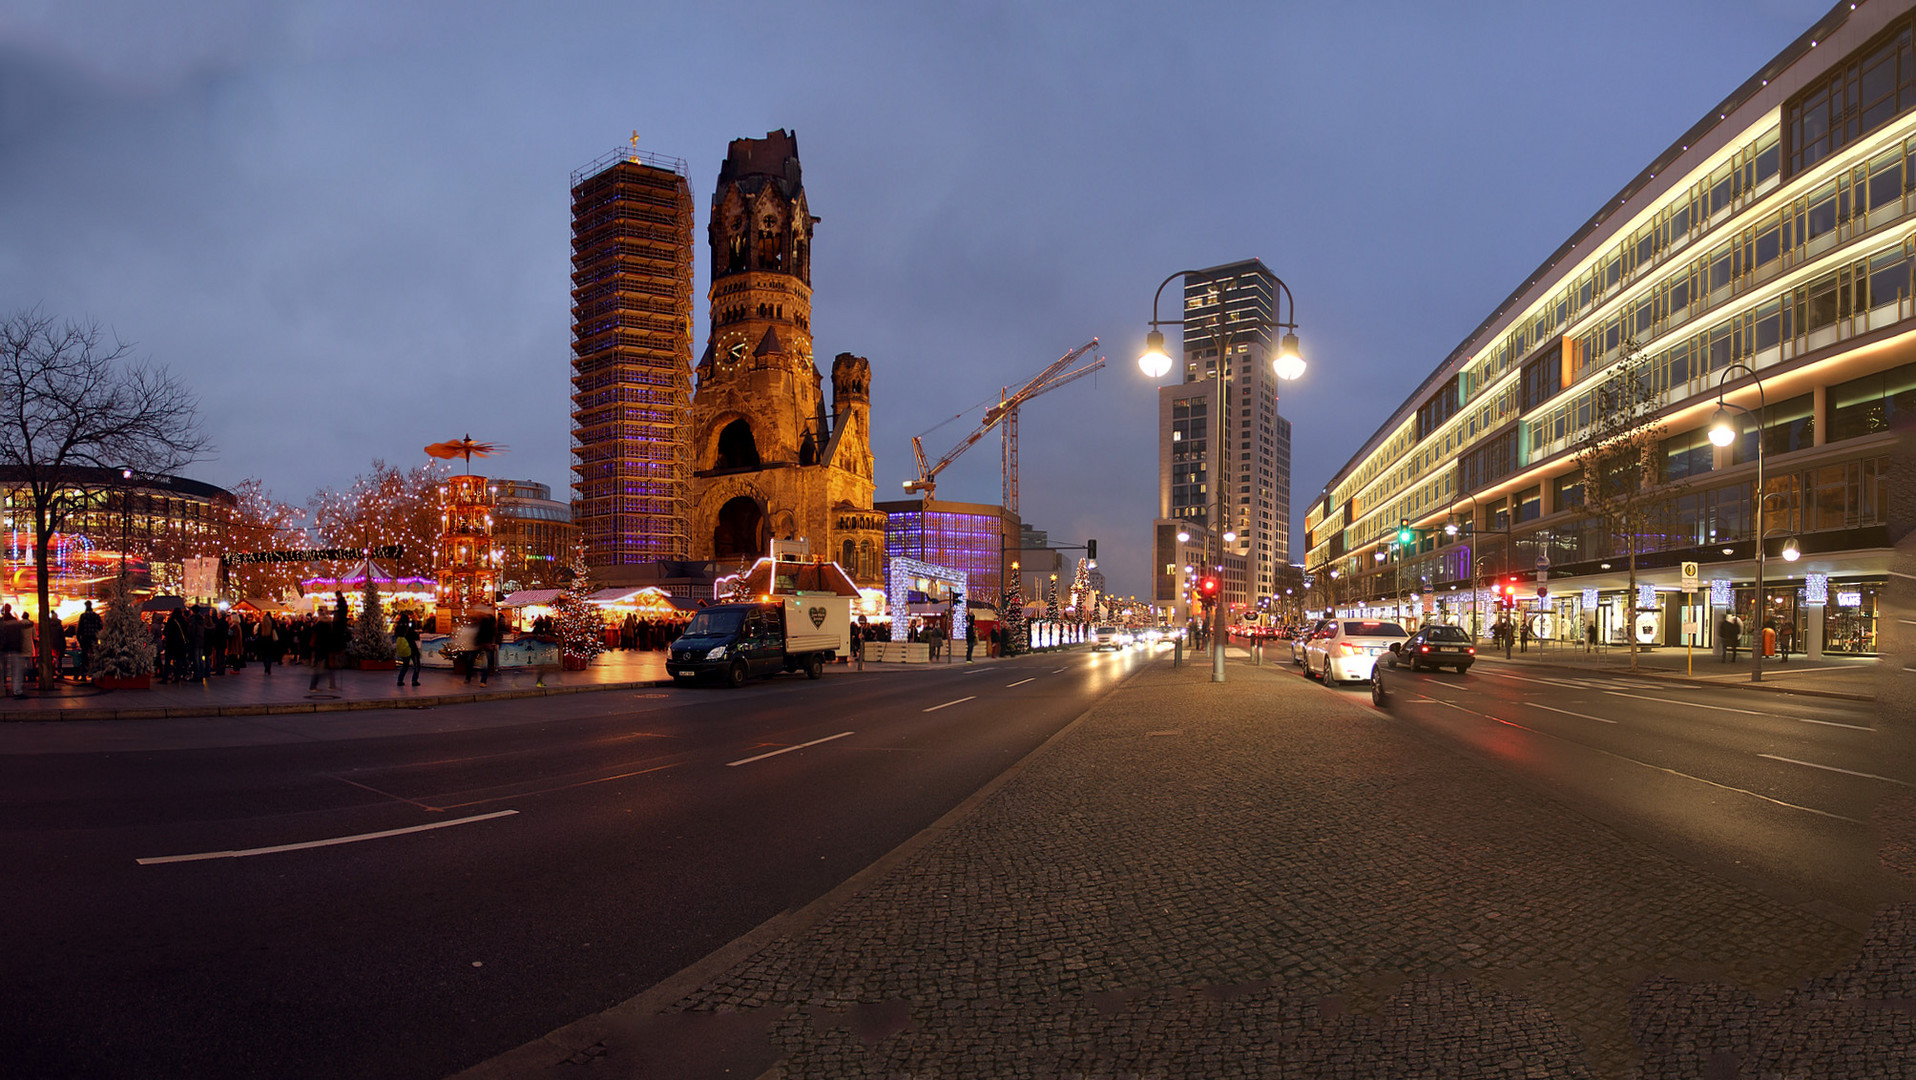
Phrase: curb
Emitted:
{"points": [[1761, 688], [292, 707]]}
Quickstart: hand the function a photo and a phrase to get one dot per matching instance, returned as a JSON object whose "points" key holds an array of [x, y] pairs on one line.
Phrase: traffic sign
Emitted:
{"points": [[1689, 577]]}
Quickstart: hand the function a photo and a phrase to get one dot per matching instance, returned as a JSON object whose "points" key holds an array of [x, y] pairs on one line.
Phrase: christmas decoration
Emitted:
{"points": [[1015, 627], [372, 639], [1082, 596], [1051, 612], [741, 590], [580, 626], [125, 650], [467, 565]]}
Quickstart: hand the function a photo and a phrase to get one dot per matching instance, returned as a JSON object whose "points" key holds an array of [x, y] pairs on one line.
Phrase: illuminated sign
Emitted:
{"points": [[1849, 599], [1720, 593], [1816, 589]]}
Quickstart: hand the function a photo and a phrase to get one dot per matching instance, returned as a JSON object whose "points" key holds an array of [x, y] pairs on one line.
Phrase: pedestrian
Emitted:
{"points": [[89, 626], [406, 635], [485, 639], [13, 652], [1590, 636], [323, 647], [1786, 637], [859, 630], [1526, 636], [1732, 636], [971, 638], [266, 642], [216, 634]]}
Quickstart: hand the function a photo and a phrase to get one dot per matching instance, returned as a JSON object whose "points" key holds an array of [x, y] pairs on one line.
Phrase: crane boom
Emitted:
{"points": [[1005, 412]]}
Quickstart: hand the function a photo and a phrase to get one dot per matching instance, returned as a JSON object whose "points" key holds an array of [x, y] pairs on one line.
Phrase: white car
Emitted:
{"points": [[1302, 638], [1348, 649], [1106, 637]]}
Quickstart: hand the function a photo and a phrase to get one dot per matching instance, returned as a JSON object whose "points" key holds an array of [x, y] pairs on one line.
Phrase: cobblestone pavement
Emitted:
{"points": [[1266, 879]]}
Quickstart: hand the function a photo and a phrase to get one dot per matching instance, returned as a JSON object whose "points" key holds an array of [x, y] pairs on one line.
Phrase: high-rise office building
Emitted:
{"points": [[631, 358], [1234, 303]]}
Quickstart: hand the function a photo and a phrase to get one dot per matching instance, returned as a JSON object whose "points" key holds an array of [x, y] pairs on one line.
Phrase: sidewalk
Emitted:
{"points": [[1848, 677], [1262, 878]]}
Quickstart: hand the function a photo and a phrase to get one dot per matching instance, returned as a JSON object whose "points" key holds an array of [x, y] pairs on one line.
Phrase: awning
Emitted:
{"points": [[530, 597]]}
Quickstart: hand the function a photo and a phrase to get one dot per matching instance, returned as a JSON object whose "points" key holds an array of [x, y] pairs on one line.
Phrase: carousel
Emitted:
{"points": [[399, 593]]}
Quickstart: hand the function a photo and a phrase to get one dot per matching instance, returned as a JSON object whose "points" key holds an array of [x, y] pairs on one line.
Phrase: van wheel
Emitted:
{"points": [[736, 675], [814, 666]]}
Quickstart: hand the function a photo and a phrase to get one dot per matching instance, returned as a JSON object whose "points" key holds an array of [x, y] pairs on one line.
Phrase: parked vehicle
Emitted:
{"points": [[1303, 638], [1435, 646], [1349, 648], [737, 642]]}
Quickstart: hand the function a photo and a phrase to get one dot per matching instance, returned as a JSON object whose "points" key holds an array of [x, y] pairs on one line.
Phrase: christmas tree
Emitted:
{"points": [[1013, 618], [1051, 612], [580, 626], [372, 638], [1082, 597], [125, 650]]}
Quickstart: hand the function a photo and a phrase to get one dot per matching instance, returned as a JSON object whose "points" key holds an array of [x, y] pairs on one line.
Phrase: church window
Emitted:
{"points": [[736, 447]]}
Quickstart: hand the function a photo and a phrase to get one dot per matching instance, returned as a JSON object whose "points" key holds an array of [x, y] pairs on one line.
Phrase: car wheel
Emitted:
{"points": [[1377, 689], [1463, 669], [736, 675], [815, 666]]}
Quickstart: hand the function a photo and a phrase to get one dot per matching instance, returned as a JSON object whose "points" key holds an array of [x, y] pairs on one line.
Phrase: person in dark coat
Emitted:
{"points": [[327, 640], [485, 639], [88, 631]]}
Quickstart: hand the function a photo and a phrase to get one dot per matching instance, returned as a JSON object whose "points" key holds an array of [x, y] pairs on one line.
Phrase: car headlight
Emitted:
{"points": [[717, 654]]}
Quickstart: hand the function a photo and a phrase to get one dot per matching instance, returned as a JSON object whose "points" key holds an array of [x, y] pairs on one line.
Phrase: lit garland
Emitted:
{"points": [[388, 506], [909, 573]]}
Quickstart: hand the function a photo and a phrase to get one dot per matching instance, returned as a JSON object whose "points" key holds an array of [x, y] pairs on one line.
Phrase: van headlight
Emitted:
{"points": [[716, 654]]}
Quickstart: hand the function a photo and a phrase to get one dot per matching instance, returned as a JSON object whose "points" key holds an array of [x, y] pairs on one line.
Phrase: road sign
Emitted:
{"points": [[1689, 577]]}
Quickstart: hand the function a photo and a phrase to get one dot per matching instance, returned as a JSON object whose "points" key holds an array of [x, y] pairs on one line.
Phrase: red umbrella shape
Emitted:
{"points": [[465, 448]]}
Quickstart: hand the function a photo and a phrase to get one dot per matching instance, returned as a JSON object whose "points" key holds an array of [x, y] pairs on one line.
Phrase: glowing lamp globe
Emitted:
{"points": [[1154, 362], [1722, 429]]}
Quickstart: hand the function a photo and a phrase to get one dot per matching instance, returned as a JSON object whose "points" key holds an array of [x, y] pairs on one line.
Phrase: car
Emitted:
{"points": [[1105, 637], [1349, 648], [1436, 646], [1302, 639]]}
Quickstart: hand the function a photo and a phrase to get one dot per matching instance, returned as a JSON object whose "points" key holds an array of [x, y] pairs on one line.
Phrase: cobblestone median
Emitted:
{"points": [[1262, 878]]}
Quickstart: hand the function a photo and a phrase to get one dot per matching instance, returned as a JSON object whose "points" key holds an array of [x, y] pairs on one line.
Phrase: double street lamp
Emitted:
{"points": [[1288, 363]]}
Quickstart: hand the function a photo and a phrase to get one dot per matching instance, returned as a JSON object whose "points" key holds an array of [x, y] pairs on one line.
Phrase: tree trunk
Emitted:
{"points": [[42, 550], [1630, 626]]}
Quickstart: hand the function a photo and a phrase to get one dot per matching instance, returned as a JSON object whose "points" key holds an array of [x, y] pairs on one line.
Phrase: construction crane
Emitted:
{"points": [[1004, 415]]}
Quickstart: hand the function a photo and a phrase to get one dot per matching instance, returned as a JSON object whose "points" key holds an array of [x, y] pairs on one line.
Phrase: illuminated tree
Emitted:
{"points": [[1051, 612], [259, 522], [125, 650], [372, 639], [579, 623], [1013, 621], [74, 412], [1082, 595], [384, 507]]}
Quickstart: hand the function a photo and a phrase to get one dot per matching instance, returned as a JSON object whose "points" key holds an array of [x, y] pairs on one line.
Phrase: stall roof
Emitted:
{"points": [[797, 577], [528, 597]]}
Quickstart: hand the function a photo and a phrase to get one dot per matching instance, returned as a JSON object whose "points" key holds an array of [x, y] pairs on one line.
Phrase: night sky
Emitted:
{"points": [[346, 226]]}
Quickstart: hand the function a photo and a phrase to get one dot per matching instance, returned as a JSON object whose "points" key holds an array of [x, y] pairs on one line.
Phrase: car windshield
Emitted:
{"points": [[1369, 628], [1446, 633], [715, 623], [1103, 630]]}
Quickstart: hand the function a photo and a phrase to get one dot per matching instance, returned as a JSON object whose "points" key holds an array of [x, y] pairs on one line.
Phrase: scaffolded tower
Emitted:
{"points": [[631, 357]]}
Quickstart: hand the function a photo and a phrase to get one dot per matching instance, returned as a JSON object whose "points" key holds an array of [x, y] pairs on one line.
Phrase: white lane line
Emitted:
{"points": [[787, 750], [1846, 772], [1056, 671], [1567, 712], [1745, 712], [205, 855], [949, 704], [1021, 682], [1668, 771]]}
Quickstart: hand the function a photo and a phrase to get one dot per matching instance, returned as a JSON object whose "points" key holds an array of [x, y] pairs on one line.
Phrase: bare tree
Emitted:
{"points": [[259, 522], [1619, 458], [75, 411]]}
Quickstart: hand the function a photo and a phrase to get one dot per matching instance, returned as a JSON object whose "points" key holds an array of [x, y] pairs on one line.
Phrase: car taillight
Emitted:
{"points": [[1423, 648], [1473, 650]]}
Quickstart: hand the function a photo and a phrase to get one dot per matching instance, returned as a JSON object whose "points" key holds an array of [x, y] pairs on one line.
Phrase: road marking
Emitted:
{"points": [[1832, 768], [1056, 671], [1567, 712], [1021, 682], [1662, 769], [788, 749], [948, 704], [1745, 712], [205, 855]]}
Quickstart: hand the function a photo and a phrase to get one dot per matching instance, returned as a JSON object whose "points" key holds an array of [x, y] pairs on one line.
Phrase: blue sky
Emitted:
{"points": [[346, 225]]}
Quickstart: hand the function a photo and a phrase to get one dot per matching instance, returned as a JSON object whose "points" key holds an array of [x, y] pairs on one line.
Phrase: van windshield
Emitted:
{"points": [[715, 623]]}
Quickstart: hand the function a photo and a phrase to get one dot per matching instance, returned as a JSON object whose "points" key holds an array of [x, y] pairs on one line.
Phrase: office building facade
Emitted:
{"points": [[631, 358], [1764, 259], [1229, 306]]}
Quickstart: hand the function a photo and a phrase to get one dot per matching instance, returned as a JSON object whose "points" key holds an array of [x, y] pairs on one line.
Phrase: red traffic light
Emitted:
{"points": [[1208, 587]]}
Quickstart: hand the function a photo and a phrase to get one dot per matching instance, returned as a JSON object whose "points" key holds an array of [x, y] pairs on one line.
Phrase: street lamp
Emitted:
{"points": [[1287, 364], [1723, 431]]}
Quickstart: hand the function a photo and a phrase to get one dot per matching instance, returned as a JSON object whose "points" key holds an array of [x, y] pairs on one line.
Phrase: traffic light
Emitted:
{"points": [[1404, 535], [1208, 588], [1091, 550]]}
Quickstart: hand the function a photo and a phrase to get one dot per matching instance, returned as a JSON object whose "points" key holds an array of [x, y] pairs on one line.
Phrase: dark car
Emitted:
{"points": [[1437, 647]]}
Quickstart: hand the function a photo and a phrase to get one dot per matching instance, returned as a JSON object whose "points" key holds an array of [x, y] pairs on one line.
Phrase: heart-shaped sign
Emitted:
{"points": [[818, 616]]}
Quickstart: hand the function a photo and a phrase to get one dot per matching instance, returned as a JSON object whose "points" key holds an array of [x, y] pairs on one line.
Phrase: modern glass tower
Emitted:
{"points": [[631, 357]]}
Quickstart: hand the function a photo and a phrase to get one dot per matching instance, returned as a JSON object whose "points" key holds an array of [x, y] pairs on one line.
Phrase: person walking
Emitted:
{"points": [[485, 639], [266, 642], [859, 630], [1785, 638], [13, 653], [88, 630], [324, 645], [406, 643], [1732, 636], [1590, 636], [971, 638]]}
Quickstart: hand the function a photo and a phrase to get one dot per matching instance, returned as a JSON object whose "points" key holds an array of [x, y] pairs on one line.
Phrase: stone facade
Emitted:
{"points": [[772, 458]]}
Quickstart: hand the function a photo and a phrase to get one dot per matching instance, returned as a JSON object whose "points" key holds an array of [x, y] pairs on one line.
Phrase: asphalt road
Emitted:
{"points": [[409, 905], [1773, 790]]}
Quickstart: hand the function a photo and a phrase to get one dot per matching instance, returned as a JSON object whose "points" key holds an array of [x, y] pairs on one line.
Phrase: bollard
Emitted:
{"points": [[1177, 652]]}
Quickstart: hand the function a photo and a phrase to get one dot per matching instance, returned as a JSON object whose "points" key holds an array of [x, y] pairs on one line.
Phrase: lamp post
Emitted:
{"points": [[126, 522], [1288, 364], [1723, 432]]}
